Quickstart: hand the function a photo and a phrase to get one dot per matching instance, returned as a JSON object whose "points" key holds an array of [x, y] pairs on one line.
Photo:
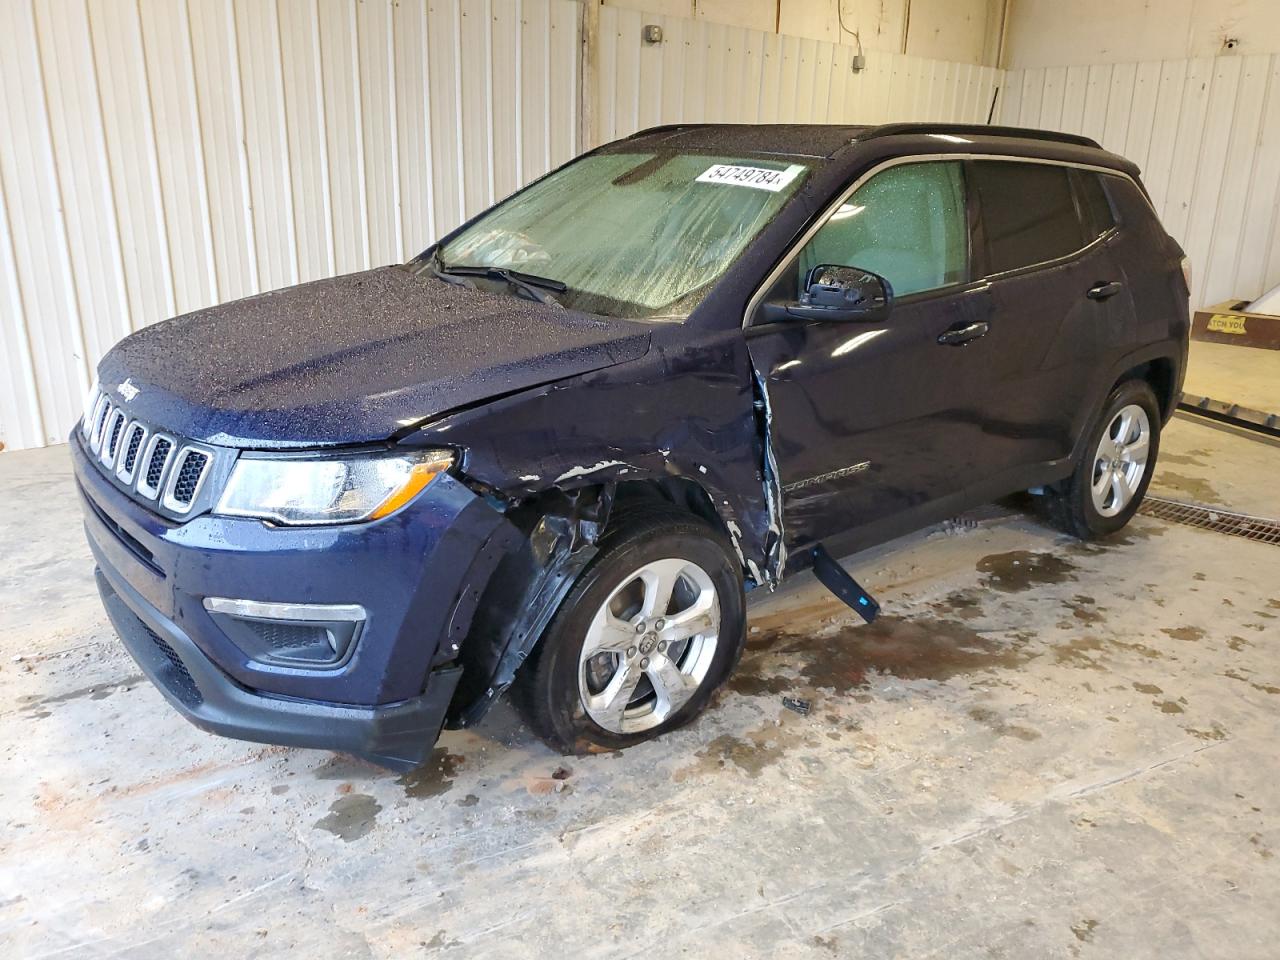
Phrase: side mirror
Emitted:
{"points": [[833, 292]]}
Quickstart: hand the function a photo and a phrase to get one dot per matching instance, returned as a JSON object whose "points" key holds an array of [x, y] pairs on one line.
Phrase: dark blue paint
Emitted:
{"points": [[539, 401]]}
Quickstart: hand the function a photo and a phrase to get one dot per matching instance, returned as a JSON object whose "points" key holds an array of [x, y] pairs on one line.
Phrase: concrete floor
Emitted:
{"points": [[1042, 749]]}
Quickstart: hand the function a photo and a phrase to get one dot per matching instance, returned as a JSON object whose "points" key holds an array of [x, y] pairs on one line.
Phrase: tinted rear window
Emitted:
{"points": [[1028, 213]]}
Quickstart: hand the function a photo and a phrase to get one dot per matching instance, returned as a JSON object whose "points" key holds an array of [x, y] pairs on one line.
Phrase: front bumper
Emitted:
{"points": [[418, 573], [398, 735]]}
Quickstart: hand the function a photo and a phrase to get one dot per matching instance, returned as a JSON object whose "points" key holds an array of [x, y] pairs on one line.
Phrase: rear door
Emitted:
{"points": [[1059, 298]]}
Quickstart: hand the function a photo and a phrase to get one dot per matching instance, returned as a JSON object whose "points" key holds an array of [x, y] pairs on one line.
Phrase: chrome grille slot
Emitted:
{"points": [[185, 479], [100, 415], [135, 437], [111, 435], [167, 470], [154, 463]]}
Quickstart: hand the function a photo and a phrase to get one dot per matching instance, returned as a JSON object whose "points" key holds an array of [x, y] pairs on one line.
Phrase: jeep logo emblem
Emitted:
{"points": [[127, 389]]}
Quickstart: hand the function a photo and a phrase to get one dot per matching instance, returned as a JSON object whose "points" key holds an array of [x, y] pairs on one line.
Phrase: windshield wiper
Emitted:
{"points": [[533, 286]]}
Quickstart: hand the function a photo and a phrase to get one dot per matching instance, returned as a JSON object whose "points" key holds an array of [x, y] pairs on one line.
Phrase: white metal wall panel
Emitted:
{"points": [[709, 72], [1206, 133], [33, 196], [162, 155]]}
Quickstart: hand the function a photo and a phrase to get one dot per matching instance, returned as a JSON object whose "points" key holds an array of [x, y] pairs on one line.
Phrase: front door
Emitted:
{"points": [[871, 421]]}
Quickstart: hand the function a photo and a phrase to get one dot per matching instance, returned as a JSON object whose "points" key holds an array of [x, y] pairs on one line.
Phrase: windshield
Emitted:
{"points": [[638, 235]]}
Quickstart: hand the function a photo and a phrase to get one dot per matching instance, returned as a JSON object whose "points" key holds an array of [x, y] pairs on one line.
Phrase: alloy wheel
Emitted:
{"points": [[1121, 460], [649, 646]]}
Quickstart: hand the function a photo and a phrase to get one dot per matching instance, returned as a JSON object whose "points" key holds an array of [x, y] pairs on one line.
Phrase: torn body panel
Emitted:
{"points": [[617, 425]]}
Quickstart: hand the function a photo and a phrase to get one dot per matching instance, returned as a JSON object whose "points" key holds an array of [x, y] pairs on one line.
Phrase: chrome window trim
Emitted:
{"points": [[821, 221], [123, 475], [141, 486], [174, 469], [107, 455]]}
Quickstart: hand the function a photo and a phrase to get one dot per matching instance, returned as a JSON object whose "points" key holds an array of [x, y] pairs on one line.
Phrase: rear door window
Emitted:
{"points": [[1028, 213]]}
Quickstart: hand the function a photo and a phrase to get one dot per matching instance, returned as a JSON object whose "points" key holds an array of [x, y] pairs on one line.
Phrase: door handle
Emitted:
{"points": [[957, 336], [1104, 289]]}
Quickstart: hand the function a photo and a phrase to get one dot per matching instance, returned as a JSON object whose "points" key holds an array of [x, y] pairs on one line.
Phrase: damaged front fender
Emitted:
{"points": [[690, 415]]}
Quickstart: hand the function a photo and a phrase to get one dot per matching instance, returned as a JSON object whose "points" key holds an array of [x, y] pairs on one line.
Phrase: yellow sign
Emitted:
{"points": [[1225, 323]]}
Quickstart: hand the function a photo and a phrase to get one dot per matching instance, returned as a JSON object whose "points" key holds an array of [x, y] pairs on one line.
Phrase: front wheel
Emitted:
{"points": [[643, 639], [1109, 482]]}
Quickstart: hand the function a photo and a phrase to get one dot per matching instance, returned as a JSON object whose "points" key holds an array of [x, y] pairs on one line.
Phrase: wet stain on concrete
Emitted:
{"points": [[1181, 459], [1188, 634], [1266, 688], [1083, 609], [470, 800], [962, 605], [1078, 651], [1237, 643], [343, 767], [1150, 689], [1000, 727], [350, 817], [98, 691], [1262, 849], [920, 648], [750, 755], [1168, 706], [440, 942], [1084, 930], [1215, 733], [434, 777], [754, 685], [1135, 533], [1195, 488], [1020, 570]]}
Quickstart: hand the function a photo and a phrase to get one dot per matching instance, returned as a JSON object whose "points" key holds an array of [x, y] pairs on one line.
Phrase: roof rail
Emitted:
{"points": [[978, 129]]}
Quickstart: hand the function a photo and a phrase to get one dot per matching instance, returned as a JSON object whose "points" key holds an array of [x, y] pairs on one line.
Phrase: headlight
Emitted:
{"points": [[341, 488]]}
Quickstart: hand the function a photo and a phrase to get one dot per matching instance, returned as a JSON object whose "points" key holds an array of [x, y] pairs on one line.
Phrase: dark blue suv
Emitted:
{"points": [[553, 451]]}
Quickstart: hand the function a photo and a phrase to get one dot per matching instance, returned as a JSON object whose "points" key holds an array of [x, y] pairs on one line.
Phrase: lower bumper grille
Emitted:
{"points": [[181, 683]]}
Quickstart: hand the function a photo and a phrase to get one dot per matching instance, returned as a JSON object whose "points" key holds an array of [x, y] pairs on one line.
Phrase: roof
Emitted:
{"points": [[819, 140], [787, 139]]}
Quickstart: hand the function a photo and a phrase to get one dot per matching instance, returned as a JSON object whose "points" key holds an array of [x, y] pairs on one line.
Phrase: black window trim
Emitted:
{"points": [[977, 278]]}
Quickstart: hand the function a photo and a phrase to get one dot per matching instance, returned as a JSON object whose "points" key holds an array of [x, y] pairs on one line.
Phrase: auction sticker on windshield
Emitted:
{"points": [[761, 178]]}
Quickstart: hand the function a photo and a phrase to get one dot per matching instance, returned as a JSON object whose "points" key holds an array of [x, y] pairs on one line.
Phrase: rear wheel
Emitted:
{"points": [[1109, 482], [643, 639]]}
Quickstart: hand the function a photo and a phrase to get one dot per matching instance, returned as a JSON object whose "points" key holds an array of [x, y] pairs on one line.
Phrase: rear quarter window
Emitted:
{"points": [[1094, 205], [1028, 213]]}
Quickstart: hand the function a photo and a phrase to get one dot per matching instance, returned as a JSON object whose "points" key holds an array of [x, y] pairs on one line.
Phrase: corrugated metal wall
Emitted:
{"points": [[157, 156], [704, 71], [1206, 133]]}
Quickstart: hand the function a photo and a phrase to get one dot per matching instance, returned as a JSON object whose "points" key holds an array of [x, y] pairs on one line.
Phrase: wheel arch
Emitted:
{"points": [[560, 529], [1161, 374]]}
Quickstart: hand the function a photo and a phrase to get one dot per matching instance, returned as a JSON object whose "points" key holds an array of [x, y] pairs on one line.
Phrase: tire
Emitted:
{"points": [[1072, 505], [572, 700]]}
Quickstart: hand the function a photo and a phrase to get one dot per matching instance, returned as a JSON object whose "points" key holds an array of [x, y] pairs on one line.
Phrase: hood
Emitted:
{"points": [[351, 359]]}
